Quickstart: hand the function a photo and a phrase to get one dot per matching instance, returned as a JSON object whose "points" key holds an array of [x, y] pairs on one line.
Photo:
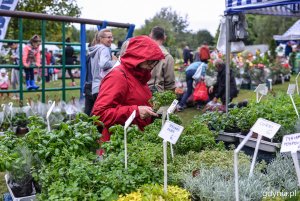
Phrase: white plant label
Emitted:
{"points": [[290, 143], [130, 119], [170, 132], [291, 89], [265, 128], [172, 106], [50, 109], [262, 89]]}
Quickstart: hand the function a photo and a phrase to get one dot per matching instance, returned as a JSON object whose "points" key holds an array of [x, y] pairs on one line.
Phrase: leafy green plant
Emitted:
{"points": [[196, 137], [162, 99]]}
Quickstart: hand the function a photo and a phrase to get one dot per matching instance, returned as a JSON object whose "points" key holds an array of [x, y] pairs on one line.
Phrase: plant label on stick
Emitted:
{"points": [[50, 110], [291, 89], [172, 106], [265, 128], [130, 119], [262, 89], [170, 132], [290, 143], [48, 115], [127, 123]]}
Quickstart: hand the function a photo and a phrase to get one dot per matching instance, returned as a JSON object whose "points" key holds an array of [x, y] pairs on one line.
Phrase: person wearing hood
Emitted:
{"points": [[125, 88], [102, 62], [31, 58]]}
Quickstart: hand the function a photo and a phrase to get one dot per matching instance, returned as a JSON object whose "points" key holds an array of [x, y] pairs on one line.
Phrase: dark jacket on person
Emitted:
{"points": [[220, 87], [69, 52]]}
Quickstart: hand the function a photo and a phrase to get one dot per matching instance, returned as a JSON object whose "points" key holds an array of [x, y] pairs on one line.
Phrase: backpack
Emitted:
{"points": [[89, 76], [204, 54]]}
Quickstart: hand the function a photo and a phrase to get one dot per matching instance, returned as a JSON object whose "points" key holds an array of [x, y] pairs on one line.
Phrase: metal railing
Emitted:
{"points": [[63, 19]]}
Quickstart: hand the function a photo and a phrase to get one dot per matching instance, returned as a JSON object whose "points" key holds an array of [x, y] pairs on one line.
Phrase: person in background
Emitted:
{"points": [[288, 49], [52, 62], [196, 55], [219, 89], [125, 88], [102, 62], [31, 58], [69, 54], [204, 53], [189, 72], [162, 76], [4, 81], [15, 72], [186, 55], [48, 63]]}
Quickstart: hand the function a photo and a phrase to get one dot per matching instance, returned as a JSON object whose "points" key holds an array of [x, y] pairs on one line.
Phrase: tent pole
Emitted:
{"points": [[228, 44]]}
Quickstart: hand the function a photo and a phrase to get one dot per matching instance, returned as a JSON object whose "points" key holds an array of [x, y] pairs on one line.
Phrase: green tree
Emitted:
{"points": [[262, 28], [51, 7], [179, 23]]}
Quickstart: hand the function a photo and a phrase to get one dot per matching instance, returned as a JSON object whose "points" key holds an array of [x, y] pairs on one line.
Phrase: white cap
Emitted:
{"points": [[2, 70]]}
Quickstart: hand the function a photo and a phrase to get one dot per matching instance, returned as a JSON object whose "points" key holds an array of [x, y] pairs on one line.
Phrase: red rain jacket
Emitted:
{"points": [[125, 87]]}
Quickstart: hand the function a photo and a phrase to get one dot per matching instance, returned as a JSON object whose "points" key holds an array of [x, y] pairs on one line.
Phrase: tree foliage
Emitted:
{"points": [[262, 28], [51, 7]]}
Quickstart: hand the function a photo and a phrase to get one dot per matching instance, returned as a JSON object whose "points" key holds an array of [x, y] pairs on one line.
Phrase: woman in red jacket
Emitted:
{"points": [[125, 88]]}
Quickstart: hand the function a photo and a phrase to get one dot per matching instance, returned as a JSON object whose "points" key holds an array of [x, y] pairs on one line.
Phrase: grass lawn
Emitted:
{"points": [[186, 115]]}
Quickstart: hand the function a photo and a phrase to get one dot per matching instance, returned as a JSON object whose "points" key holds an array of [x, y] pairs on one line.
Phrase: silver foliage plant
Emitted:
{"points": [[218, 184]]}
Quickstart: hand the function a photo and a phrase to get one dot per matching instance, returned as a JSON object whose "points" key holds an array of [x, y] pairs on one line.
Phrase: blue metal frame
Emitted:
{"points": [[82, 58]]}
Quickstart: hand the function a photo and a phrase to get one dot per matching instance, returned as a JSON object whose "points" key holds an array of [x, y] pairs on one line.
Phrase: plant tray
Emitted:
{"points": [[264, 145], [27, 198], [228, 137]]}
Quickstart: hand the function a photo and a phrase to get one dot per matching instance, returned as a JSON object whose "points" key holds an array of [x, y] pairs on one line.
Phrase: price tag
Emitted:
{"points": [[291, 89], [265, 128], [170, 132], [262, 89], [290, 143], [129, 120], [172, 106]]}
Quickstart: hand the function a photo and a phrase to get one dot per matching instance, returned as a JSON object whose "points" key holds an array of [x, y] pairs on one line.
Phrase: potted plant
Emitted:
{"points": [[19, 177]]}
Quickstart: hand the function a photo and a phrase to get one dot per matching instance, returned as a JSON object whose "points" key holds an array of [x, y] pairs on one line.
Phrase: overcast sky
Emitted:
{"points": [[201, 14]]}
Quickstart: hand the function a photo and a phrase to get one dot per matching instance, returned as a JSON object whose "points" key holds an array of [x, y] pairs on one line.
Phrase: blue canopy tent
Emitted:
{"points": [[263, 7]]}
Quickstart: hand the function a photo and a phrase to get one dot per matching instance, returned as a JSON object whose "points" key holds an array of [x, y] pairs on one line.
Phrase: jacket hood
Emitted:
{"points": [[140, 49], [93, 50]]}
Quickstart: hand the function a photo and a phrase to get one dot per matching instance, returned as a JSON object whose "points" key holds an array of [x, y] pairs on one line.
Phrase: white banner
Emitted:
{"points": [[4, 21]]}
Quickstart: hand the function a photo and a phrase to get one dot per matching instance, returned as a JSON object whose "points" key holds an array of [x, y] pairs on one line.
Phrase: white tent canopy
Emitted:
{"points": [[293, 33]]}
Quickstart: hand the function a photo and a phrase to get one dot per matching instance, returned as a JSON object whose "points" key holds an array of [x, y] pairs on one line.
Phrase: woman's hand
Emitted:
{"points": [[211, 89], [146, 112]]}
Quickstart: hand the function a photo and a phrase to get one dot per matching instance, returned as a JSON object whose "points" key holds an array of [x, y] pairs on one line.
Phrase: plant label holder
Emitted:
{"points": [[48, 115], [127, 124], [296, 80], [270, 83], [291, 92], [262, 127], [170, 110], [170, 132], [291, 143], [261, 90]]}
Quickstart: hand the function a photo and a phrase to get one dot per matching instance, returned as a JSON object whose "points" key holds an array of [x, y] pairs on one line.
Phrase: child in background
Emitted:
{"points": [[31, 58], [4, 81]]}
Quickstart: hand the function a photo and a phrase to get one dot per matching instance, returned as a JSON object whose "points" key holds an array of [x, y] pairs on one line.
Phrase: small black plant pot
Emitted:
{"points": [[37, 186], [22, 130], [21, 189]]}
